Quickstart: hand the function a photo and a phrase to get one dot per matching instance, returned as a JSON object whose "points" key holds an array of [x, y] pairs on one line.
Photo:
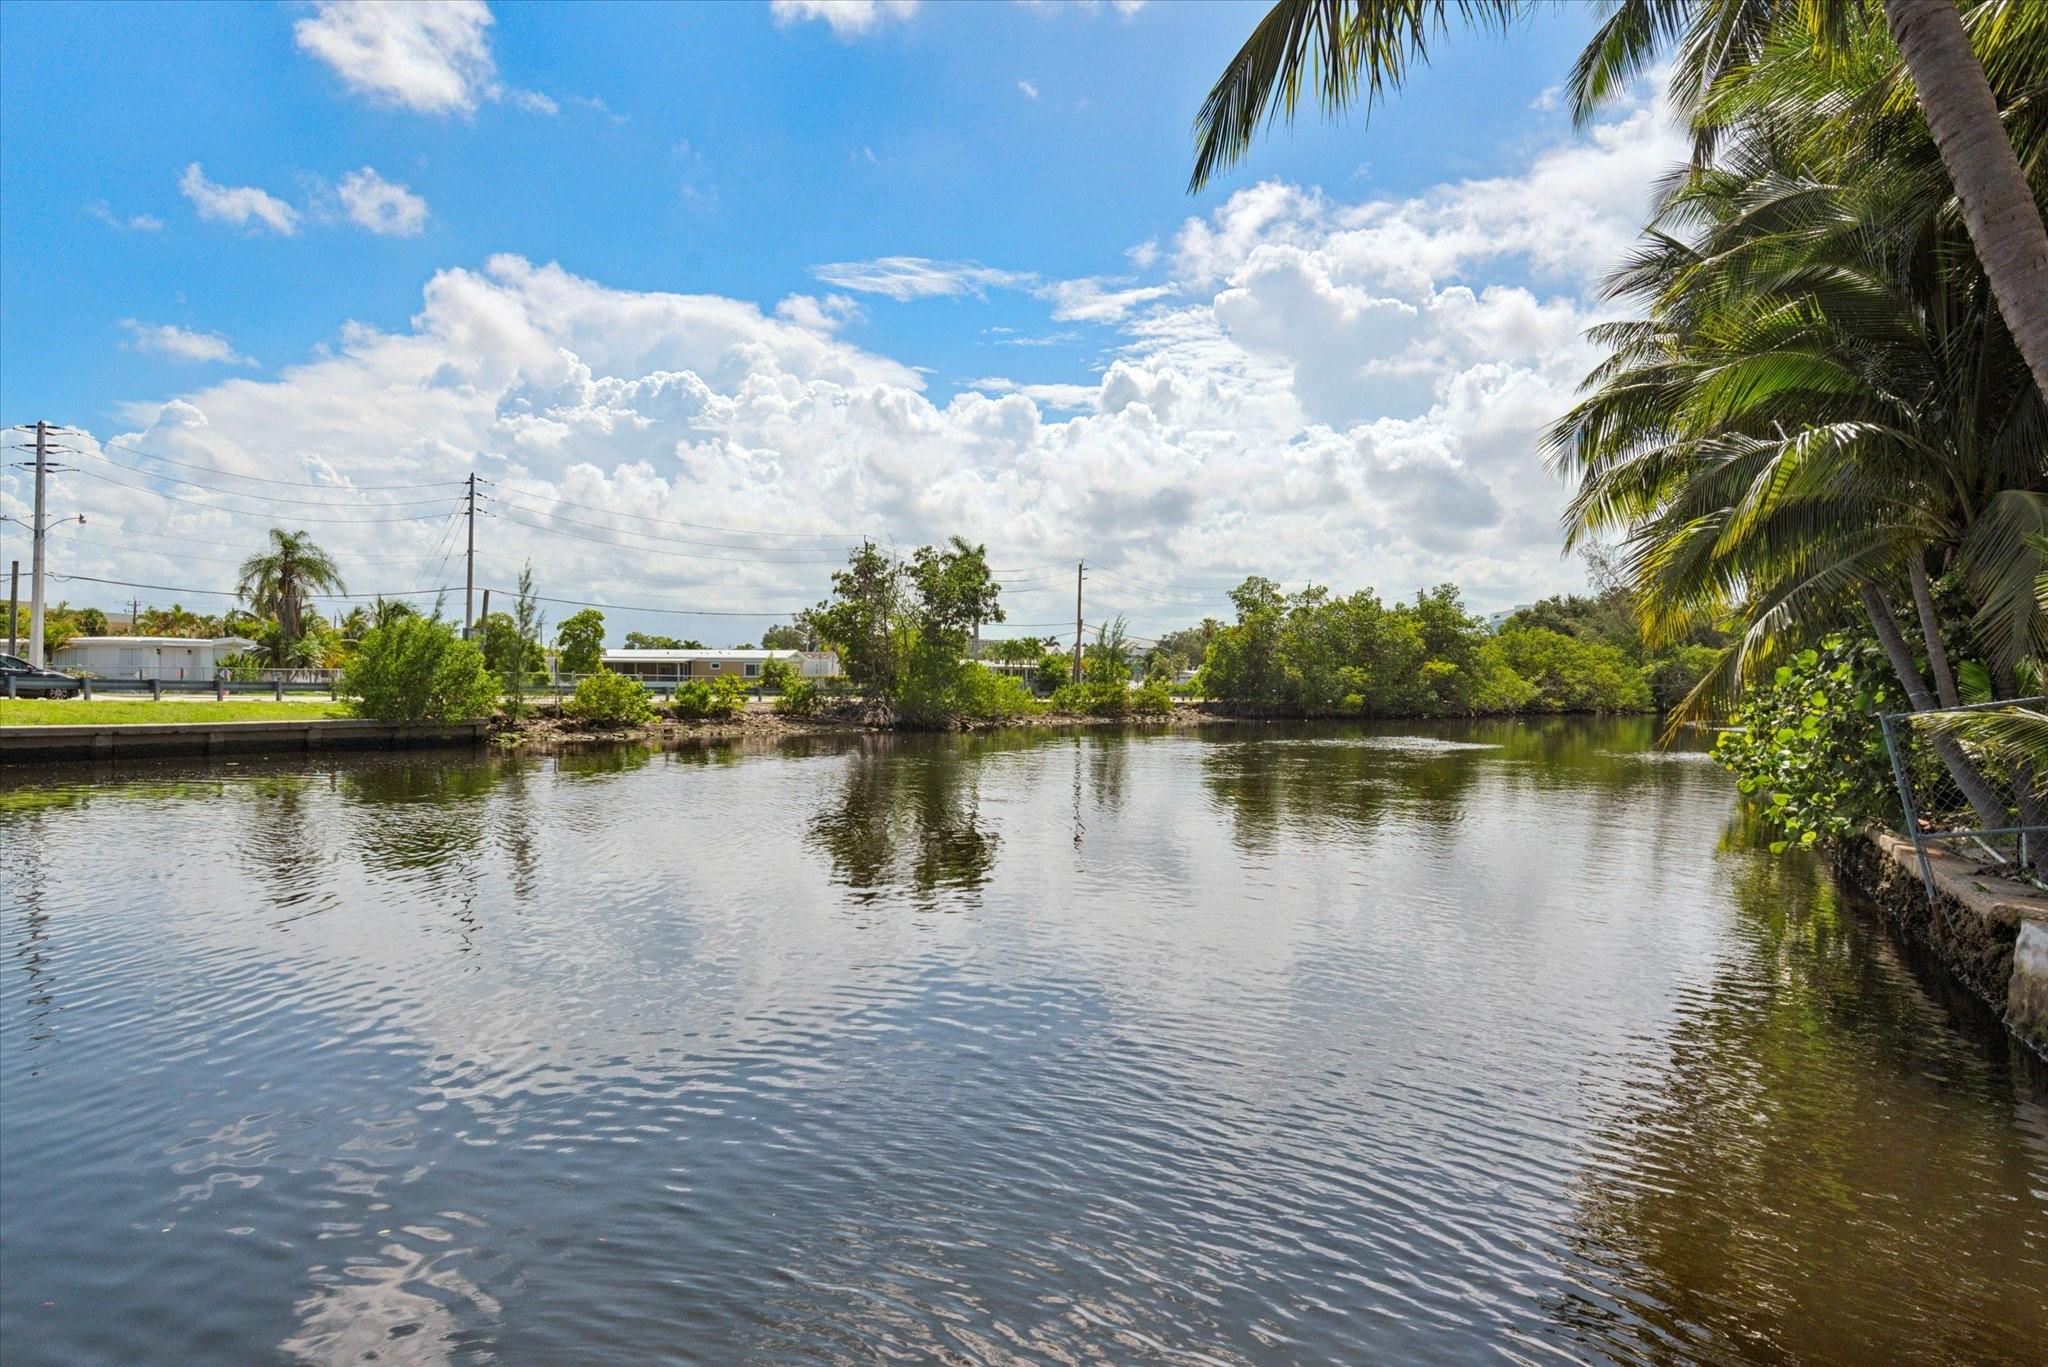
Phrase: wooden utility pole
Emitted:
{"points": [[485, 615], [1080, 571], [469, 571]]}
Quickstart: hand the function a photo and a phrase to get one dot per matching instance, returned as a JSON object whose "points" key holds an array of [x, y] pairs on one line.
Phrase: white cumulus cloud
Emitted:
{"points": [[847, 18], [242, 205], [381, 206], [433, 58], [133, 223], [183, 344], [1354, 391]]}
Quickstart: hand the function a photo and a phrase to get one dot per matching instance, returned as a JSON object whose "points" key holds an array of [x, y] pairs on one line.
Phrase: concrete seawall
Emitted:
{"points": [[36, 744], [1992, 933]]}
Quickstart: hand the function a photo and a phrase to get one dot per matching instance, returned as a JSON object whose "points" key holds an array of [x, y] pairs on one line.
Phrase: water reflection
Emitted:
{"points": [[1329, 1043], [908, 816], [1763, 1172]]}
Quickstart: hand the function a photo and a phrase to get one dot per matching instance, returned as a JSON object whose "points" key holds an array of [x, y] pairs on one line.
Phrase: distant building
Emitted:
{"points": [[1496, 620], [676, 666], [147, 657]]}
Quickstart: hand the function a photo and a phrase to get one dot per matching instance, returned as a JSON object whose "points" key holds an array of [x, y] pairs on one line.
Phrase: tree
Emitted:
{"points": [[902, 628], [92, 622], [580, 638], [1815, 420], [280, 580], [640, 640], [416, 669], [795, 636], [1349, 52], [1571, 675]]}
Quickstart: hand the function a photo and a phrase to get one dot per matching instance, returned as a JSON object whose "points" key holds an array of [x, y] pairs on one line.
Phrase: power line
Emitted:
{"points": [[669, 611], [508, 492], [252, 497], [261, 479], [617, 545], [233, 593], [244, 512]]}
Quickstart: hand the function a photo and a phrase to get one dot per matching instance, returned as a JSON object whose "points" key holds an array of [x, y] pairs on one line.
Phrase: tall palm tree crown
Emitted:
{"points": [[280, 580], [1348, 53]]}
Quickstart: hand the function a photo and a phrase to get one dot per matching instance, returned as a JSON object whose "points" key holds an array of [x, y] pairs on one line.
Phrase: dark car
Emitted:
{"points": [[20, 679]]}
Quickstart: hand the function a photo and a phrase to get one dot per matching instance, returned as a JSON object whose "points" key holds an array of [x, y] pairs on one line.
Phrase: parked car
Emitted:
{"points": [[30, 682]]}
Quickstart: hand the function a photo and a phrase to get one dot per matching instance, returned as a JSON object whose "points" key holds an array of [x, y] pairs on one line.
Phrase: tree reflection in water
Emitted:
{"points": [[908, 816], [1763, 1178]]}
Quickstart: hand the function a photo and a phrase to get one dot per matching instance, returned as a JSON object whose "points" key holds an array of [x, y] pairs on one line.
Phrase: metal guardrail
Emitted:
{"points": [[158, 689], [1939, 813]]}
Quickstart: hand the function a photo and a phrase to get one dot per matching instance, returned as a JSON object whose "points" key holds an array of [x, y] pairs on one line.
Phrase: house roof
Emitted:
{"points": [[678, 656], [234, 642]]}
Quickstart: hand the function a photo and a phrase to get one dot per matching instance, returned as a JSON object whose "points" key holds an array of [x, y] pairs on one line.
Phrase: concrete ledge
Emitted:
{"points": [[1990, 932], [34, 744]]}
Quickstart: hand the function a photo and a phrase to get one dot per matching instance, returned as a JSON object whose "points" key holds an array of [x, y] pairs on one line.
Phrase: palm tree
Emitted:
{"points": [[1353, 51], [1815, 413], [280, 581]]}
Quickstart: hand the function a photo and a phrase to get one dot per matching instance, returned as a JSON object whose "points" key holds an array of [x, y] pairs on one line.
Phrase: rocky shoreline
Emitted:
{"points": [[548, 733]]}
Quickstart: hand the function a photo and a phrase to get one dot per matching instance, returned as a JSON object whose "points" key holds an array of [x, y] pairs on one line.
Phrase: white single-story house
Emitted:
{"points": [[674, 666], [147, 657]]}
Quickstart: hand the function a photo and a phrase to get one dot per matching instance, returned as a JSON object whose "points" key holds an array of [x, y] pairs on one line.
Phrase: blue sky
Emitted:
{"points": [[875, 239]]}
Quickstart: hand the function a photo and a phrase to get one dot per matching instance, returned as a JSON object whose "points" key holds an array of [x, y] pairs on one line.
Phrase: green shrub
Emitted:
{"points": [[1054, 669], [776, 676], [416, 669], [608, 699], [1573, 675], [799, 698], [709, 699], [1806, 748], [987, 695], [1672, 673], [1152, 699]]}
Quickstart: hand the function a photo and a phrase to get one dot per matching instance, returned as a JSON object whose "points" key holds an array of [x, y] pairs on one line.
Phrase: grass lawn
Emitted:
{"points": [[78, 712]]}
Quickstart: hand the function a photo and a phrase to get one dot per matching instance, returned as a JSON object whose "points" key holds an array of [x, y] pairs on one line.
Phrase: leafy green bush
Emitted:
{"points": [[799, 698], [416, 669], [1672, 673], [1054, 668], [987, 695], [709, 699], [608, 699], [1570, 674], [1807, 748], [1152, 699], [776, 676]]}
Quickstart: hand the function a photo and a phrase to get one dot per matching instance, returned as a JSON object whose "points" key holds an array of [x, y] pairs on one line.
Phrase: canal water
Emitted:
{"points": [[1366, 1044]]}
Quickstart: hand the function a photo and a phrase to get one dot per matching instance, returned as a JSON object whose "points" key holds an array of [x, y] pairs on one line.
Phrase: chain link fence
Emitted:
{"points": [[1961, 796]]}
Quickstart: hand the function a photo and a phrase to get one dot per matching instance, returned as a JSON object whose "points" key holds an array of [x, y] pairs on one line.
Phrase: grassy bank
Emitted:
{"points": [[78, 712]]}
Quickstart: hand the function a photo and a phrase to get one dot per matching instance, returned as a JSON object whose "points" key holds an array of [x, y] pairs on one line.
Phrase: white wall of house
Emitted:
{"points": [[147, 657], [670, 665]]}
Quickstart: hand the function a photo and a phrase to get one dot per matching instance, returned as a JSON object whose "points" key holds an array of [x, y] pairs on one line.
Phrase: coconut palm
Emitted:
{"points": [[1349, 53], [280, 581], [1821, 413]]}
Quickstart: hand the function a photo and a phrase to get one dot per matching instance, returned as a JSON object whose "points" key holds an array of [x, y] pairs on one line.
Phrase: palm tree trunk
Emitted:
{"points": [[1930, 629], [1983, 799], [1998, 205]]}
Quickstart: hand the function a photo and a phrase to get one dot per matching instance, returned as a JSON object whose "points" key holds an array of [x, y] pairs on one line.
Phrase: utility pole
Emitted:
{"points": [[14, 610], [35, 576], [1080, 570], [39, 530], [469, 573], [485, 615]]}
